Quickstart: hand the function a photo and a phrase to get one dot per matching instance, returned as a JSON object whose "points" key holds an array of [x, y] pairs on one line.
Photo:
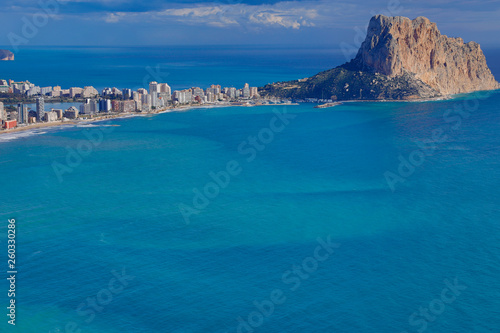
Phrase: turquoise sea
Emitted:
{"points": [[301, 220]]}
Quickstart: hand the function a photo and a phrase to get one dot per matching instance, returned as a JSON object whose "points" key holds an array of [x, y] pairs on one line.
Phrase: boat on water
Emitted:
{"points": [[327, 105]]}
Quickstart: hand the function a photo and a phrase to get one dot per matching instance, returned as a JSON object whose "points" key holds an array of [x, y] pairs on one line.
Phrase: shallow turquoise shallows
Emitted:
{"points": [[314, 229]]}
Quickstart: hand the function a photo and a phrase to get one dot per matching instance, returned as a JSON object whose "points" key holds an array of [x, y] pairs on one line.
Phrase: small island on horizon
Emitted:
{"points": [[6, 55], [400, 59]]}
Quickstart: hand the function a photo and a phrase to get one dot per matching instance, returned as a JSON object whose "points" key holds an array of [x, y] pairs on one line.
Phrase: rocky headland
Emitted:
{"points": [[400, 59]]}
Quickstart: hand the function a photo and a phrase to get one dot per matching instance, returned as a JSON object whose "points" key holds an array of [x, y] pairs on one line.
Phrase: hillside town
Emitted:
{"points": [[111, 101]]}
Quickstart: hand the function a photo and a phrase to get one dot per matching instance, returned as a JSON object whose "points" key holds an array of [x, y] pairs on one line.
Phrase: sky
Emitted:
{"points": [[327, 23]]}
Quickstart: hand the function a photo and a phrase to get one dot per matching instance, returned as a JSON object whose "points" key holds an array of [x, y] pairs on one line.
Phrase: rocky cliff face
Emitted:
{"points": [[399, 59], [6, 55], [395, 45]]}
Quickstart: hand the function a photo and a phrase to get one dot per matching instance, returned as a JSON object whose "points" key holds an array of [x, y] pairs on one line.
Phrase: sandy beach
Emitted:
{"points": [[119, 116]]}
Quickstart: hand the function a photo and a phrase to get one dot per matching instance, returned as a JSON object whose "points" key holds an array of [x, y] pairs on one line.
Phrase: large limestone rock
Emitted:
{"points": [[400, 59], [395, 45]]}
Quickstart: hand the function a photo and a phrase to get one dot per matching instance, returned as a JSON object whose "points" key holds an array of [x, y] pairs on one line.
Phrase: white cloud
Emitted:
{"points": [[193, 12], [294, 18], [114, 17], [93, 1], [283, 14], [291, 15]]}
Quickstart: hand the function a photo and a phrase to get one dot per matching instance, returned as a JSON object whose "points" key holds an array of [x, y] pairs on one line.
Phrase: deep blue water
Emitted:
{"points": [[322, 175], [182, 67]]}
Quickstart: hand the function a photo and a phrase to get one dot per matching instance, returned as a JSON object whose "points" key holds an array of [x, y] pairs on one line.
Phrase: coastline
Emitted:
{"points": [[184, 108], [37, 126], [85, 122], [419, 100]]}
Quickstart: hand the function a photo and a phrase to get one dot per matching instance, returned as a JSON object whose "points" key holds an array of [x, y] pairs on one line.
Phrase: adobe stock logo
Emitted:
{"points": [[31, 25], [420, 320], [88, 310], [292, 277], [249, 149], [84, 148], [452, 121]]}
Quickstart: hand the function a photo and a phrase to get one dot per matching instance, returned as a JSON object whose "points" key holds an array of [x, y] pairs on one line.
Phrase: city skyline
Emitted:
{"points": [[158, 98]]}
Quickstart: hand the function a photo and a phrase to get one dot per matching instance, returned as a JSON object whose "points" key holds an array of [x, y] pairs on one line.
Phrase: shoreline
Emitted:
{"points": [[83, 122], [419, 100]]}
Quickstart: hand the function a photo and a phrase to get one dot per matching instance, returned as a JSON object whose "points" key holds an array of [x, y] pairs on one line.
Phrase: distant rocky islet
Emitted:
{"points": [[6, 55]]}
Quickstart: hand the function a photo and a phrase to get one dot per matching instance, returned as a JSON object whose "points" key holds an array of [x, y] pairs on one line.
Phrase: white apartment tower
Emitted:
{"points": [[153, 91], [246, 91]]}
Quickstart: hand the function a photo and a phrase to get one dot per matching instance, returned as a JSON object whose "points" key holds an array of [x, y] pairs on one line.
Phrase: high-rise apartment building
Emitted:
{"points": [[40, 109]]}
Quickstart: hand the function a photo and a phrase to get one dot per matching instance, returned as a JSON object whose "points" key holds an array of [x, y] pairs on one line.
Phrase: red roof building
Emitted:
{"points": [[8, 124]]}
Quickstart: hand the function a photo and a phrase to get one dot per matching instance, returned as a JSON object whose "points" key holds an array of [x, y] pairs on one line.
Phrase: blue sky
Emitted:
{"points": [[233, 22]]}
